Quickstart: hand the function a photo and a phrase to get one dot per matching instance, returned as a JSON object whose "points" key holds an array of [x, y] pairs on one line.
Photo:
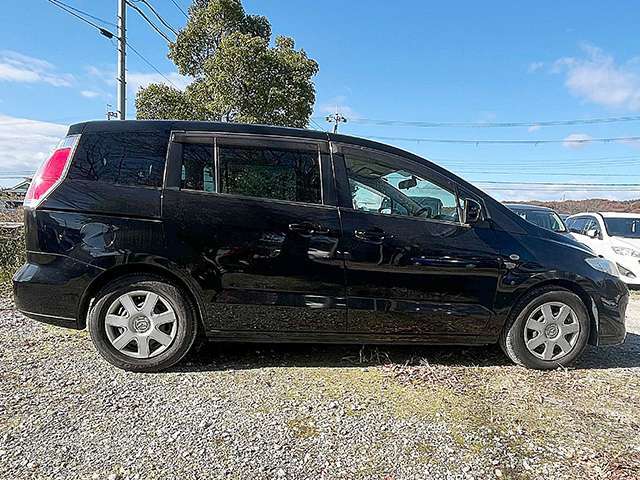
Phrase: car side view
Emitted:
{"points": [[612, 235], [152, 233]]}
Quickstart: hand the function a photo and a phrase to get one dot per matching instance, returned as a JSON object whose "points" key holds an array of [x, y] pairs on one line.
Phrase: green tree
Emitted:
{"points": [[237, 75]]}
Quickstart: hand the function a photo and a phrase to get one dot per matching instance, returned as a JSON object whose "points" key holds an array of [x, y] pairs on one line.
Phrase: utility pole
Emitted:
{"points": [[336, 119], [122, 53]]}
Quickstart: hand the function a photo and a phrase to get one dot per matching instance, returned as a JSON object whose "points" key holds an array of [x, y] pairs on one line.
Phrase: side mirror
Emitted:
{"points": [[472, 212], [593, 233]]}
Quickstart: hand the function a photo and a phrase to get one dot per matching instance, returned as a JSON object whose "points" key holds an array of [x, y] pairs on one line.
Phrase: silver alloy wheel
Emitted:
{"points": [[551, 331], [141, 324]]}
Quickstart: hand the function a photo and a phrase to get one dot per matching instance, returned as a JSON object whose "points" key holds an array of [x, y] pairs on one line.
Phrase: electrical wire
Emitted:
{"points": [[497, 182], [180, 8], [151, 65], [316, 124], [103, 31], [547, 123], [504, 142], [82, 12], [155, 12], [552, 174], [153, 25]]}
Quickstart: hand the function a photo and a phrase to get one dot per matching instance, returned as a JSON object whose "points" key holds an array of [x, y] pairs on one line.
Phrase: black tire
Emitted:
{"points": [[187, 325], [512, 339]]}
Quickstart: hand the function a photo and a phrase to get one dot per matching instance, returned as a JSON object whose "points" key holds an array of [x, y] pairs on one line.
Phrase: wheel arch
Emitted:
{"points": [[139, 268], [571, 286]]}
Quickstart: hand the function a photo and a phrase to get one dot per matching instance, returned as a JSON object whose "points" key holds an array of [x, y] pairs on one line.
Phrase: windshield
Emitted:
{"points": [[545, 219], [623, 227]]}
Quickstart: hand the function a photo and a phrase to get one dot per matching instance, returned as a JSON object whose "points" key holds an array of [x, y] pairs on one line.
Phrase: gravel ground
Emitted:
{"points": [[318, 412]]}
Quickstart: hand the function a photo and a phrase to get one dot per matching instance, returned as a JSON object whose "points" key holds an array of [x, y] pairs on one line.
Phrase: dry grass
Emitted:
{"points": [[12, 250]]}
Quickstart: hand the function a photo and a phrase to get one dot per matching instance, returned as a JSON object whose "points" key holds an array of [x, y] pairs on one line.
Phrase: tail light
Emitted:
{"points": [[51, 172]]}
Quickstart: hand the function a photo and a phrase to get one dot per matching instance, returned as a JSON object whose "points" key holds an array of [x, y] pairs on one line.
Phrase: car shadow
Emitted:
{"points": [[246, 356]]}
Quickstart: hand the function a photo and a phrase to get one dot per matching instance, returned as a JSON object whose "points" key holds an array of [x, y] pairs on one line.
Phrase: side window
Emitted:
{"points": [[125, 158], [591, 224], [197, 167], [382, 187], [578, 224], [280, 174]]}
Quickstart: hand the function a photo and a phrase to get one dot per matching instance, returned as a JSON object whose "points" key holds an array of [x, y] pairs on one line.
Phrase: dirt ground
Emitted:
{"points": [[313, 411]]}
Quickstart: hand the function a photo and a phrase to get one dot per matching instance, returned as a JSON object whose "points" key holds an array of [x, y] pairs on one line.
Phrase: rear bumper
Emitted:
{"points": [[49, 288], [609, 309]]}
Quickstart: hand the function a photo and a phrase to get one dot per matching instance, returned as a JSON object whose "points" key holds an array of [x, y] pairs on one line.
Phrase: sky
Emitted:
{"points": [[468, 62]]}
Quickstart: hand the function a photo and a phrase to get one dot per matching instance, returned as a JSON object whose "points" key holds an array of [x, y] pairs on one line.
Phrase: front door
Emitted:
{"points": [[413, 269], [256, 226]]}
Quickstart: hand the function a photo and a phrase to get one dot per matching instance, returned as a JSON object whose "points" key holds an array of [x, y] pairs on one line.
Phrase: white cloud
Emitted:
{"points": [[136, 80], [576, 140], [89, 93], [597, 78], [337, 104], [16, 67], [533, 128], [25, 143], [535, 66]]}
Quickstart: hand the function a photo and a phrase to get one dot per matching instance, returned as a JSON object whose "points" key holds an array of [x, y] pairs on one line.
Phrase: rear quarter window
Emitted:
{"points": [[125, 158]]}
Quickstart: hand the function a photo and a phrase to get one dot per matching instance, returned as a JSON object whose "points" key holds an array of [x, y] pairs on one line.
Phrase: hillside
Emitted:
{"points": [[590, 205]]}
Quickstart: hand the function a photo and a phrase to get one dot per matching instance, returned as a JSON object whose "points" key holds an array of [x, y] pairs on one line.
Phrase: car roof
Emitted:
{"points": [[524, 206], [100, 126], [619, 215]]}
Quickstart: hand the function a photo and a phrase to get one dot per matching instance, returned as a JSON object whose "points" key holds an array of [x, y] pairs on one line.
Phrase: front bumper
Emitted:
{"points": [[49, 288], [609, 309]]}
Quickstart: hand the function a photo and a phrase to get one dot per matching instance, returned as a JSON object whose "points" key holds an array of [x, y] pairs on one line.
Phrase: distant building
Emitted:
{"points": [[13, 197]]}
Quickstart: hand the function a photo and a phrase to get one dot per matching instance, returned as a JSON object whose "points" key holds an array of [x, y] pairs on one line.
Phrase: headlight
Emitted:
{"points": [[626, 251], [603, 265]]}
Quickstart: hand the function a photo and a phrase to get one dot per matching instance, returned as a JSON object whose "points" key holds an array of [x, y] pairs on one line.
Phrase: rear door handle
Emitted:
{"points": [[308, 228], [375, 236]]}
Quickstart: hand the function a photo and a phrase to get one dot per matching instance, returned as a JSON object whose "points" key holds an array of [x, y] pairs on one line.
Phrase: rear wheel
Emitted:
{"points": [[142, 323], [548, 328]]}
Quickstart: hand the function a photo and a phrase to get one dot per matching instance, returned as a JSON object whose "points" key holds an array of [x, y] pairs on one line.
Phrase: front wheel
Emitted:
{"points": [[548, 328], [141, 323]]}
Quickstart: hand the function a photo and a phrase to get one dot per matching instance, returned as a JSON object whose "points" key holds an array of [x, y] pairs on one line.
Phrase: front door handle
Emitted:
{"points": [[375, 235]]}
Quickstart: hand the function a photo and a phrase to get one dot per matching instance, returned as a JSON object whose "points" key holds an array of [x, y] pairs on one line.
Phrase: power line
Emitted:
{"points": [[82, 12], [552, 174], [589, 191], [547, 123], [505, 142], [621, 157], [497, 182], [155, 12], [316, 124], [103, 31], [151, 65], [180, 8], [144, 16]]}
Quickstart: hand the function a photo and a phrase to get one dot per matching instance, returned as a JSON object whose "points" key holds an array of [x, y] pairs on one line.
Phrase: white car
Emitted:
{"points": [[614, 236]]}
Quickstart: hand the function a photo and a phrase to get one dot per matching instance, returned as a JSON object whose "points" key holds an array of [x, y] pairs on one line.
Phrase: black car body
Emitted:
{"points": [[258, 226]]}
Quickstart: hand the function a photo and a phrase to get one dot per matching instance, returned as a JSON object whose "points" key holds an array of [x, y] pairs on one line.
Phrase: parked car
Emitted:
{"points": [[542, 216], [615, 236], [152, 233]]}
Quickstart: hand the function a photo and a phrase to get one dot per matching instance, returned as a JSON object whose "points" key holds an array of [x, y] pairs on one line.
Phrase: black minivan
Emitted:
{"points": [[152, 233]]}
